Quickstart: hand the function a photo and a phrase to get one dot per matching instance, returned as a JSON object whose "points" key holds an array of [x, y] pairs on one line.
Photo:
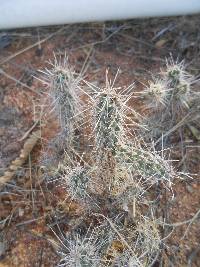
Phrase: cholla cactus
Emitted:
{"points": [[169, 98], [109, 112], [137, 170], [86, 250], [147, 165], [126, 188], [66, 103], [76, 180], [80, 252], [127, 259], [111, 117], [157, 94], [175, 72], [146, 242], [64, 89], [108, 124], [180, 82]]}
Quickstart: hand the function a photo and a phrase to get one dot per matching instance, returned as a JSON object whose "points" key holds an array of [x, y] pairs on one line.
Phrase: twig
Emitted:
{"points": [[131, 38], [41, 257], [28, 132], [18, 82], [190, 221], [86, 62], [98, 42], [33, 45], [178, 125], [30, 221]]}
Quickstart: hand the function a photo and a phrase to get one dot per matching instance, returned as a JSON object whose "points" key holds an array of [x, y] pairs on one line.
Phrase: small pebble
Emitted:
{"points": [[189, 188]]}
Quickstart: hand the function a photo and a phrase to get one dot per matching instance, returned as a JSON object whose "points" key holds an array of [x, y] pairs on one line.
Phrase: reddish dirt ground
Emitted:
{"points": [[138, 48]]}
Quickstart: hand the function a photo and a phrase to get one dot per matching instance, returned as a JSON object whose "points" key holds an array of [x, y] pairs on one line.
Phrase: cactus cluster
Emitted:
{"points": [[117, 176]]}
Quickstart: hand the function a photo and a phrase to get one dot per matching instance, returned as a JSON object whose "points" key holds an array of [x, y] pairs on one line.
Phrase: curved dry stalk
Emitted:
{"points": [[19, 161]]}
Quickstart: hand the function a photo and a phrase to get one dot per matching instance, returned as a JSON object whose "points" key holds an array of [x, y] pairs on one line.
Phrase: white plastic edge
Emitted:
{"points": [[28, 13]]}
